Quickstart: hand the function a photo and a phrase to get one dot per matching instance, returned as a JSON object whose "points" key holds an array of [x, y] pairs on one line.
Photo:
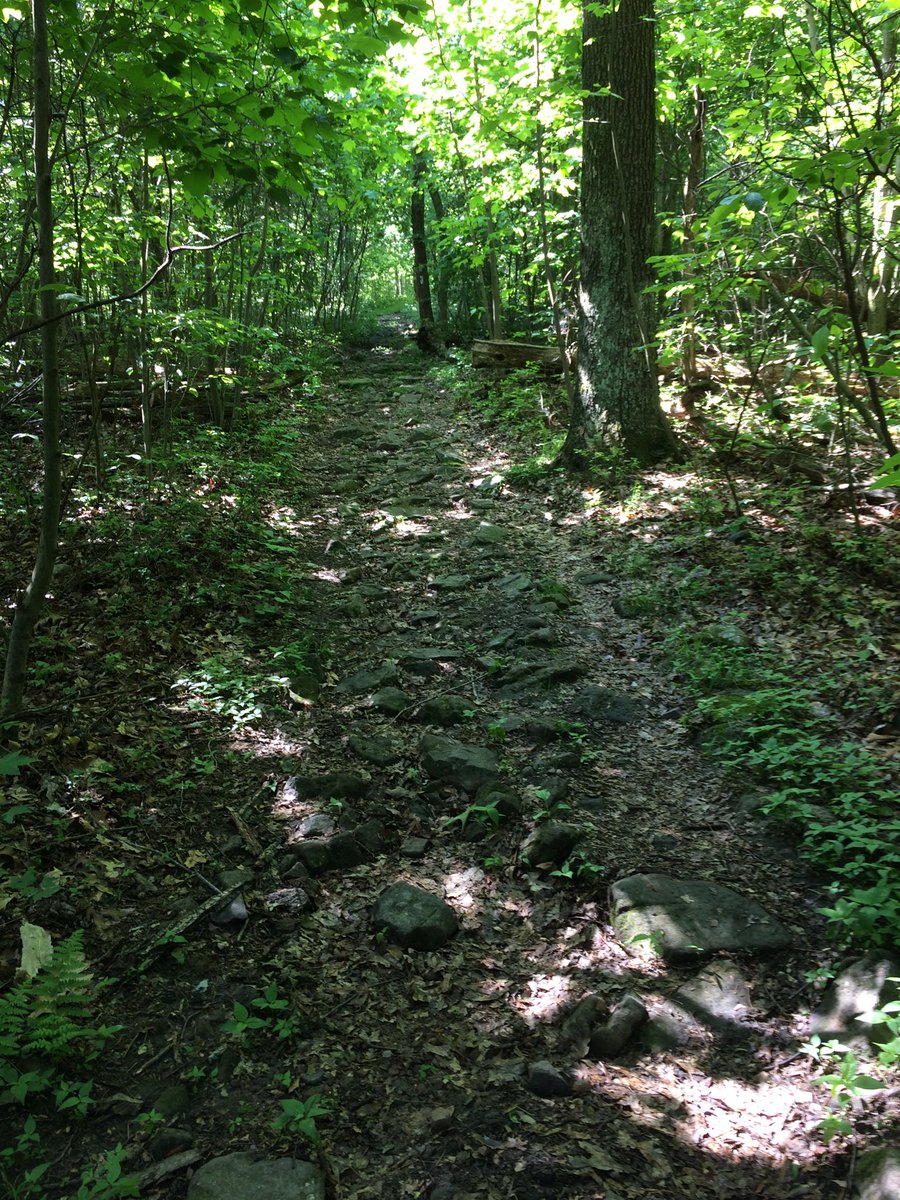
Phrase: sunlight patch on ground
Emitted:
{"points": [[544, 998]]}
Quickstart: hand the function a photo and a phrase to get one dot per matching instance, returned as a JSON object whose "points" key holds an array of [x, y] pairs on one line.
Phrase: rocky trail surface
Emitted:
{"points": [[504, 933]]}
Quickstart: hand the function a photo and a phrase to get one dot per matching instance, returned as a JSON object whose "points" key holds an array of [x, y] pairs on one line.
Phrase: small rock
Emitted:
{"points": [[580, 1024], [864, 985], [391, 701], [288, 900], [414, 917], [368, 681], [172, 1102], [339, 786], [507, 802], [586, 578], [515, 585], [718, 996], [234, 913], [625, 1020], [450, 583], [551, 843], [445, 710], [313, 826], [489, 535], [414, 848], [466, 767], [877, 1175], [168, 1141], [248, 1176], [546, 1081], [343, 851], [380, 751]]}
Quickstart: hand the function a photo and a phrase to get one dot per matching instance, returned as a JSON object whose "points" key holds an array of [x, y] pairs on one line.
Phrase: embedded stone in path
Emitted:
{"points": [[489, 535], [414, 917], [344, 850], [341, 785], [550, 843], [247, 1176], [604, 704], [717, 999], [367, 681], [391, 700], [546, 1081], [445, 710], [466, 767], [685, 919], [373, 748], [864, 985]]}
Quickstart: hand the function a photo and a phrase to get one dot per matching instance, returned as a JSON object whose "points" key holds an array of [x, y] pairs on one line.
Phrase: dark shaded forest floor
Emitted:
{"points": [[234, 726]]}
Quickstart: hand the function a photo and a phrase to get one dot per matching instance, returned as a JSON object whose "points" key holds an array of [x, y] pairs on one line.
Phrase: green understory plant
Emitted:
{"points": [[299, 1117]]}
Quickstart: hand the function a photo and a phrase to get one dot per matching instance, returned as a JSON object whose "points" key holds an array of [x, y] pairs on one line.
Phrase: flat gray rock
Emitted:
{"points": [[877, 1175], [604, 704], [368, 681], [466, 767], [686, 919], [373, 748], [489, 535], [545, 1080], [717, 1001], [414, 917], [862, 986], [246, 1176], [445, 710], [390, 700]]}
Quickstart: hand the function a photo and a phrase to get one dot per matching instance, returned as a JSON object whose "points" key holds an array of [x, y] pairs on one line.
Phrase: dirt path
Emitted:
{"points": [[472, 635], [443, 585]]}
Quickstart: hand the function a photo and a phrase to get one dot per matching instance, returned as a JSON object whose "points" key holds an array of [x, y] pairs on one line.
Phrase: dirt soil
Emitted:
{"points": [[411, 543]]}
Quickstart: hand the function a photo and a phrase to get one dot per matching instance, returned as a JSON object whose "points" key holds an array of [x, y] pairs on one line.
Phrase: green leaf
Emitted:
{"points": [[819, 341], [10, 763]]}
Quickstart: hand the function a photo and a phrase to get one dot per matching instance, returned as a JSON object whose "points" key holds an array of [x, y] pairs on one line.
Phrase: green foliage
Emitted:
{"points": [[487, 814], [46, 1015], [759, 718], [44, 1029], [267, 1012], [298, 1117], [847, 1083]]}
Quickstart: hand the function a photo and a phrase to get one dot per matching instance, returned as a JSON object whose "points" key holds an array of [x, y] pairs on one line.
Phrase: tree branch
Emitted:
{"points": [[161, 269]]}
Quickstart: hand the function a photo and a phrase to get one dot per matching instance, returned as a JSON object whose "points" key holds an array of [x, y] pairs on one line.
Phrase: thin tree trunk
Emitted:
{"points": [[31, 604], [428, 336], [689, 216]]}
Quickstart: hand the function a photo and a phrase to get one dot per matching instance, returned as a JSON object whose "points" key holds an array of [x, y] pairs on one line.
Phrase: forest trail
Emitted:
{"points": [[482, 615], [472, 686]]}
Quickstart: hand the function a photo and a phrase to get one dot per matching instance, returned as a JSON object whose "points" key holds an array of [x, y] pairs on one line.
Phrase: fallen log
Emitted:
{"points": [[514, 354]]}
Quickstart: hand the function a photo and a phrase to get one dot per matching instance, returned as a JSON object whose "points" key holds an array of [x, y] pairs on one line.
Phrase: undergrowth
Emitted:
{"points": [[792, 711]]}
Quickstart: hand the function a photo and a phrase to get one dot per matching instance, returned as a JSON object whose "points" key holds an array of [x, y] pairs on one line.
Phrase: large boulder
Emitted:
{"points": [[414, 917], [686, 919], [247, 1176]]}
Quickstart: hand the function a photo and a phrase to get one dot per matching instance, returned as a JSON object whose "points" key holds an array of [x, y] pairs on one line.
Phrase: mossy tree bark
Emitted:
{"points": [[617, 403]]}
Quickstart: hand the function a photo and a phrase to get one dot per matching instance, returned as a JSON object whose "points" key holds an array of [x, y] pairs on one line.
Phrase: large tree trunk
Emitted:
{"points": [[31, 604], [617, 405]]}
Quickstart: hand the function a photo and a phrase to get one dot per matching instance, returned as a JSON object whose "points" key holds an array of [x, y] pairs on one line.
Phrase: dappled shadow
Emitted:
{"points": [[397, 534]]}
